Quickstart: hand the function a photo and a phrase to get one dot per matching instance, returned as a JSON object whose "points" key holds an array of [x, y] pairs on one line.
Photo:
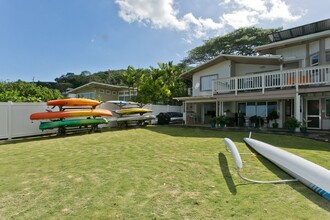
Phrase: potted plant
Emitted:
{"points": [[221, 120], [303, 127], [213, 122], [292, 123], [272, 116]]}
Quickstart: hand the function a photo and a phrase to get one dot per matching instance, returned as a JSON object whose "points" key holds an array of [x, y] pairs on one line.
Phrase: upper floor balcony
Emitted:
{"points": [[294, 78]]}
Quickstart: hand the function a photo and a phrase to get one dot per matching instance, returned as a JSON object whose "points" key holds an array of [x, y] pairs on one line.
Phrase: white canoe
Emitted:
{"points": [[312, 175]]}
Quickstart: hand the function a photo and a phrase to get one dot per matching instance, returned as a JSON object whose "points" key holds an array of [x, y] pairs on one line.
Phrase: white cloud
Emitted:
{"points": [[161, 14], [251, 12], [235, 13]]}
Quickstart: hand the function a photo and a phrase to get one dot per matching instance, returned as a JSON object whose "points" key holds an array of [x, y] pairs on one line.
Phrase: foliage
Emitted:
{"points": [[292, 123], [175, 173], [239, 42], [273, 116], [26, 92], [222, 119], [156, 85], [71, 80]]}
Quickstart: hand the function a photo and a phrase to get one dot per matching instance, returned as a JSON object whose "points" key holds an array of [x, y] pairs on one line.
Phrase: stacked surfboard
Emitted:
{"points": [[131, 113], [73, 112]]}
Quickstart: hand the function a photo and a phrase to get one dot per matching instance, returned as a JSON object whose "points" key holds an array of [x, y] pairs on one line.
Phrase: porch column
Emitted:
{"points": [[297, 114]]}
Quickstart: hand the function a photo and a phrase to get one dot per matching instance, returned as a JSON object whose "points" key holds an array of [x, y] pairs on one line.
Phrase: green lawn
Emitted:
{"points": [[157, 172]]}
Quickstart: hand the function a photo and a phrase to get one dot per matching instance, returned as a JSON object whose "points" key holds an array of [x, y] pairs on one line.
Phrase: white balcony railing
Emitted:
{"points": [[288, 78]]}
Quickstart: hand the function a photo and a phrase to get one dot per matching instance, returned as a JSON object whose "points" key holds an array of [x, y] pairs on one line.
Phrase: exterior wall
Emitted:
{"points": [[221, 69], [295, 52], [245, 69], [100, 93], [15, 119]]}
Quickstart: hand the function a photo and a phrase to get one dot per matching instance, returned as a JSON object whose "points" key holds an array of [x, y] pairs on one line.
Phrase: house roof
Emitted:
{"points": [[264, 60], [296, 36], [92, 85], [303, 30]]}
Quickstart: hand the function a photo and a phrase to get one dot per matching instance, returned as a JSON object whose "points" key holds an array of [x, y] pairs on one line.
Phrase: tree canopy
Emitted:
{"points": [[21, 91], [157, 85], [71, 80], [239, 42]]}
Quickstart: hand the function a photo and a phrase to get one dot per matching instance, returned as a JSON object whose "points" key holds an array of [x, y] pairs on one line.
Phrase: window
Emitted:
{"points": [[87, 95], [108, 91], [206, 82], [261, 109], [327, 107], [101, 91], [251, 109], [314, 59], [271, 106], [114, 92], [327, 57]]}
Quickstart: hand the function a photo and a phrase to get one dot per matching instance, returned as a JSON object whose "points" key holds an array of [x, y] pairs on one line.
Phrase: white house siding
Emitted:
{"points": [[221, 69], [245, 69], [295, 52]]}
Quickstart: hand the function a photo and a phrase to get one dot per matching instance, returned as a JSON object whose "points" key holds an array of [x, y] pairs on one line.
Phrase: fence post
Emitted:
{"points": [[9, 120]]}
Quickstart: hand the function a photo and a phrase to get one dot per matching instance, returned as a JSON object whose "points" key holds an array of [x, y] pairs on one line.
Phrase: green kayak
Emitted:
{"points": [[72, 123]]}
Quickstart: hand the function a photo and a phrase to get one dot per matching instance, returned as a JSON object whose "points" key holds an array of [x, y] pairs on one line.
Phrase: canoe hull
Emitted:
{"points": [[68, 114], [73, 102], [307, 172], [72, 123]]}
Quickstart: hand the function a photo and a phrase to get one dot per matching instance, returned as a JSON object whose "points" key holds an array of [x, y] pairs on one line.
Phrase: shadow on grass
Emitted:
{"points": [[223, 163]]}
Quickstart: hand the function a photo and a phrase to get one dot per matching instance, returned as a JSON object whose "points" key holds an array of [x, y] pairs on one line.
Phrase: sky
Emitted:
{"points": [[41, 40]]}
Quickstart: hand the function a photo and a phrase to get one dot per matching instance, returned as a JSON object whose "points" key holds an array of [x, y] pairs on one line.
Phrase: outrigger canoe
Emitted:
{"points": [[73, 102], [72, 123], [72, 113], [312, 175], [129, 111]]}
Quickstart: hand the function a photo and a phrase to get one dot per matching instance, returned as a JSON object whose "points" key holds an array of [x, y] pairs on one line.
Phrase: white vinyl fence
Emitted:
{"points": [[15, 118]]}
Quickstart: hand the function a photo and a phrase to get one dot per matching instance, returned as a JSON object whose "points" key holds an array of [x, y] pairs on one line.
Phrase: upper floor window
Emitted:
{"points": [[327, 57], [314, 59], [206, 82]]}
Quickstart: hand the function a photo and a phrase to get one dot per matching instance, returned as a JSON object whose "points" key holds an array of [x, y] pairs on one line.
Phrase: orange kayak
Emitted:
{"points": [[68, 114], [73, 102]]}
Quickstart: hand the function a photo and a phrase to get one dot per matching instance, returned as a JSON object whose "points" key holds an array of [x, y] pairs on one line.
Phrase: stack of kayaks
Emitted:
{"points": [[63, 117], [131, 112]]}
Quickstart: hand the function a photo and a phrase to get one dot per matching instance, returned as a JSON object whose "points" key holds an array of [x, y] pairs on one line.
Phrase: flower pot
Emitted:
{"points": [[291, 129], [303, 130], [275, 125]]}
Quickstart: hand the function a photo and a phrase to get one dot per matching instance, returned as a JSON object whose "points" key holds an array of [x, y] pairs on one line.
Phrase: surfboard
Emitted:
{"points": [[312, 175], [72, 123], [73, 102], [128, 111], [71, 113]]}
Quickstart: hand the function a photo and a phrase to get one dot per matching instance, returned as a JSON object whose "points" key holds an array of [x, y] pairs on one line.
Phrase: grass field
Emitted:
{"points": [[157, 172]]}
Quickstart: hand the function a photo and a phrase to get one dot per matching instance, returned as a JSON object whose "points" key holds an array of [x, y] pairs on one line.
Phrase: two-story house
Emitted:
{"points": [[291, 76]]}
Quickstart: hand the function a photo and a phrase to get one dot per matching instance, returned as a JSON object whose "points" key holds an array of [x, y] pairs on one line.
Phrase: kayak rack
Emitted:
{"points": [[237, 158]]}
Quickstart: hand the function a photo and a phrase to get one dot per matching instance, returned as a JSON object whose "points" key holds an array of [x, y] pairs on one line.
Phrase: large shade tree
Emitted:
{"points": [[239, 42]]}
